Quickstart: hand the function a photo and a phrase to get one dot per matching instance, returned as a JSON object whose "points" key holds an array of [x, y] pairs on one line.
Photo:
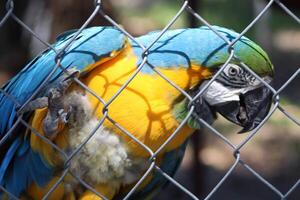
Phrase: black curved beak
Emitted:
{"points": [[250, 110]]}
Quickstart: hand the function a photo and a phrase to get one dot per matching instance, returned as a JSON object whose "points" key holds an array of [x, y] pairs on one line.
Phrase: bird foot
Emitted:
{"points": [[58, 110]]}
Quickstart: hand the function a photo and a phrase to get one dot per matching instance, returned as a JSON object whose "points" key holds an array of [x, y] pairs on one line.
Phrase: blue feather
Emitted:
{"points": [[183, 47], [8, 157], [26, 166]]}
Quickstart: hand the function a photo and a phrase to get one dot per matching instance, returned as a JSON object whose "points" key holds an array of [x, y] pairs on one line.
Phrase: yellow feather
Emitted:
{"points": [[144, 107], [106, 190], [37, 193]]}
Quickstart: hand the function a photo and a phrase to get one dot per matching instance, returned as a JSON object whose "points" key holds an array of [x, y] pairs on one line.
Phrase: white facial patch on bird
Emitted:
{"points": [[104, 158], [218, 93], [233, 81]]}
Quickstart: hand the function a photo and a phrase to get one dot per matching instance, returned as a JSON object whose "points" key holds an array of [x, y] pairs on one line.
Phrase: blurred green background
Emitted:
{"points": [[273, 152]]}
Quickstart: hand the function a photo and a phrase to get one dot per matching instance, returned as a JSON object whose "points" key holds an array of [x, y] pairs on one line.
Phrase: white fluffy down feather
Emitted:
{"points": [[104, 158]]}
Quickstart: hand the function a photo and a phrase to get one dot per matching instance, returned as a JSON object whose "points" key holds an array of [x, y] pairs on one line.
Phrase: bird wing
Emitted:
{"points": [[20, 165]]}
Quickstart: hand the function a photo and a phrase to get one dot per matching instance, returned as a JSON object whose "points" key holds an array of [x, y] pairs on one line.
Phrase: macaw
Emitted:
{"points": [[103, 58]]}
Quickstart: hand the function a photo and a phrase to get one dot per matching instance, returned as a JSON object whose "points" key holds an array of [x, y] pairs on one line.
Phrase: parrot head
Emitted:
{"points": [[238, 96], [235, 93]]}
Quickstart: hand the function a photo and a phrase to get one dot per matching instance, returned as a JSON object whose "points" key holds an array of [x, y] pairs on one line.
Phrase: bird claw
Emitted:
{"points": [[64, 116], [69, 79]]}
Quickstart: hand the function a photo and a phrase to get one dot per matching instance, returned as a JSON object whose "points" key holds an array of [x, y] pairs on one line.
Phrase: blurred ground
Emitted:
{"points": [[273, 152]]}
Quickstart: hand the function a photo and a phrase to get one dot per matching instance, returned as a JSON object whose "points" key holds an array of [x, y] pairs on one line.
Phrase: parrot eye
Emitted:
{"points": [[232, 71]]}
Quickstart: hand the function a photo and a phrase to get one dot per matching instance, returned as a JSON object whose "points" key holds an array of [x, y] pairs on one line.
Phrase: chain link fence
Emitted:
{"points": [[98, 11]]}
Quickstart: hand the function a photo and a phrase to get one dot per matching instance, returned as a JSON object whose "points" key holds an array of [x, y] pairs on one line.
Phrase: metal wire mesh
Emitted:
{"points": [[152, 155]]}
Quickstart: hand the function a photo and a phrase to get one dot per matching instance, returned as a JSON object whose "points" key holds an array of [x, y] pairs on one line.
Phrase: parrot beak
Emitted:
{"points": [[250, 110]]}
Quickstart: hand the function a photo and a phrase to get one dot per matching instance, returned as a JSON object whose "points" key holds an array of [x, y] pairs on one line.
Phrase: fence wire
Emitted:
{"points": [[185, 8]]}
